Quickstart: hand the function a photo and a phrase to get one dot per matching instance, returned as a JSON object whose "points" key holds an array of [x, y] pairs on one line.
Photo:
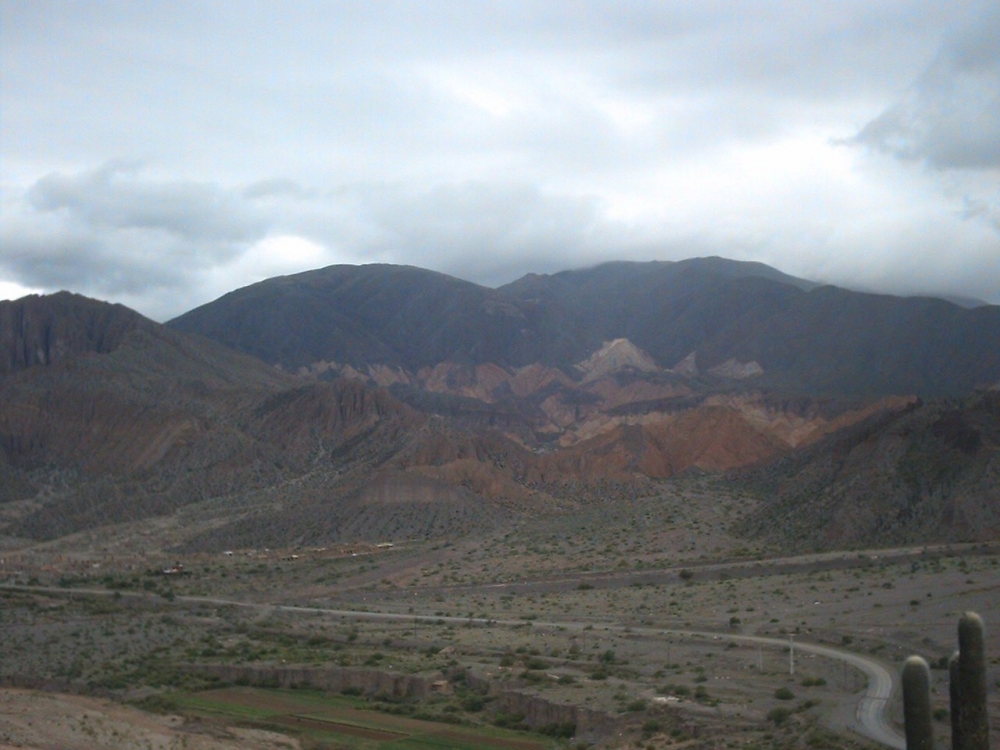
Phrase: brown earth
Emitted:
{"points": [[45, 721]]}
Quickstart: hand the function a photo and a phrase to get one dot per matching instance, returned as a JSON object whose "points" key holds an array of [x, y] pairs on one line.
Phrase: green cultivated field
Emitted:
{"points": [[322, 720]]}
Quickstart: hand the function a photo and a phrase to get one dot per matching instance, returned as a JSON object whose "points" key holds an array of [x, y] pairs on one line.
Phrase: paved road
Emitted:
{"points": [[870, 715]]}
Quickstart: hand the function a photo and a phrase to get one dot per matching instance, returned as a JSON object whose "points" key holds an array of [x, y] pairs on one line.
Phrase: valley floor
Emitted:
{"points": [[647, 613]]}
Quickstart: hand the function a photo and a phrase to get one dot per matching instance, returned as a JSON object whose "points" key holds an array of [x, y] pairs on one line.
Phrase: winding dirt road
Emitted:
{"points": [[870, 716], [871, 711]]}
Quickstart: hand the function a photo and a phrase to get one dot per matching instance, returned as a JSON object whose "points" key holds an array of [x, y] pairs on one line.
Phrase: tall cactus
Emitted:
{"points": [[971, 708], [956, 702], [917, 704], [967, 674]]}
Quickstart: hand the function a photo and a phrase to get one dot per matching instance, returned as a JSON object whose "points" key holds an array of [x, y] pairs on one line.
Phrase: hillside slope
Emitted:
{"points": [[930, 473]]}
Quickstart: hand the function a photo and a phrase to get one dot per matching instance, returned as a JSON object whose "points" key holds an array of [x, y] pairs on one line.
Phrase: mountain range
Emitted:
{"points": [[705, 316], [380, 402]]}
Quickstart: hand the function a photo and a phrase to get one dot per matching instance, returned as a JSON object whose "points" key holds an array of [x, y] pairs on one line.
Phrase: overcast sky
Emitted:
{"points": [[160, 154]]}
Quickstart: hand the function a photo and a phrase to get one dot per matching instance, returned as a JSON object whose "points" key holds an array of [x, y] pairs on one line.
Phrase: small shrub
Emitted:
{"points": [[510, 721], [564, 729], [473, 703], [532, 677], [778, 715], [651, 727], [783, 694]]}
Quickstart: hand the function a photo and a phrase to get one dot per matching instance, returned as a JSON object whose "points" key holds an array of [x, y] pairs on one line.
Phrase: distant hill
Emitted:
{"points": [[116, 418], [705, 316], [929, 473]]}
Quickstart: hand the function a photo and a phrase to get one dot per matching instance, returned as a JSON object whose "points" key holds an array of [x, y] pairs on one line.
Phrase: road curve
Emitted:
{"points": [[871, 711], [870, 714]]}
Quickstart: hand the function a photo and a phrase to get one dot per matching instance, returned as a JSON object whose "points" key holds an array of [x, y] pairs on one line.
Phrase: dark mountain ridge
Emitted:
{"points": [[707, 312]]}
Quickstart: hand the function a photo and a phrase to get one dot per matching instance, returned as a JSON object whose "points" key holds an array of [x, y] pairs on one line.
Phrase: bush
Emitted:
{"points": [[473, 703], [510, 721], [562, 729], [783, 694], [637, 705], [778, 715]]}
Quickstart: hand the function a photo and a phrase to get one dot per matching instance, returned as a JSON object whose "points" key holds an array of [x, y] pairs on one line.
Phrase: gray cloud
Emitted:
{"points": [[278, 187], [114, 196], [950, 118], [113, 231], [487, 232]]}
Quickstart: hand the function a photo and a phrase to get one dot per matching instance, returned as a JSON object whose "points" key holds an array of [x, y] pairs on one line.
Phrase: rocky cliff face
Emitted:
{"points": [[48, 330]]}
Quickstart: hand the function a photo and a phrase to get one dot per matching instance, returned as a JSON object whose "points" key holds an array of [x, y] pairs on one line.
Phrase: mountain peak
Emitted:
{"points": [[615, 355]]}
